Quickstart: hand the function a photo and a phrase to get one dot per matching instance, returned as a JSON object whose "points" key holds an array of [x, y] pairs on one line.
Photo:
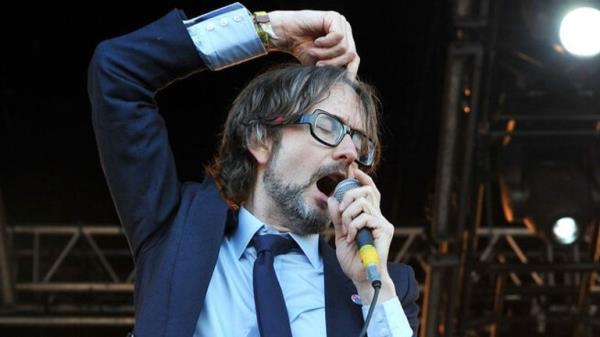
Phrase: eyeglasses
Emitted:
{"points": [[330, 130]]}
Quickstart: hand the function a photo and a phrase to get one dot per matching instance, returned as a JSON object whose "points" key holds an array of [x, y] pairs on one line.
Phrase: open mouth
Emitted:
{"points": [[328, 183]]}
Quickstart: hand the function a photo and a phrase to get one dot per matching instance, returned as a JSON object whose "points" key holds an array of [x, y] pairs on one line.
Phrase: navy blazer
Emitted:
{"points": [[175, 230]]}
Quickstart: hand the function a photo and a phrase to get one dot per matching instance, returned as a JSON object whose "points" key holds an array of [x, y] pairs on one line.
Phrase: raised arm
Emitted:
{"points": [[124, 75], [126, 72]]}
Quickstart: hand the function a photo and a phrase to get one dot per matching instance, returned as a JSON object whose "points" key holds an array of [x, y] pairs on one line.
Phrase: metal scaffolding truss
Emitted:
{"points": [[515, 259], [483, 280], [516, 275], [40, 281], [48, 292], [69, 275]]}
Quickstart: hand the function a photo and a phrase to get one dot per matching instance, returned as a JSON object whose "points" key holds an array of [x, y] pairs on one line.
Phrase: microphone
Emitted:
{"points": [[364, 238]]}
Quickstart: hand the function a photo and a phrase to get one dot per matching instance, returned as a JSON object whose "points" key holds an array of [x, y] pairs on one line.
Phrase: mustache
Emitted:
{"points": [[324, 171]]}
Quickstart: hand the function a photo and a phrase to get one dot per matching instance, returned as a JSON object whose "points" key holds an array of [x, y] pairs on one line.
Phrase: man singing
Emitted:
{"points": [[240, 254]]}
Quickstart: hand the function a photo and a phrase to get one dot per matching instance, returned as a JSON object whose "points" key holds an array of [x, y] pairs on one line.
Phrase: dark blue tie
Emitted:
{"points": [[271, 312]]}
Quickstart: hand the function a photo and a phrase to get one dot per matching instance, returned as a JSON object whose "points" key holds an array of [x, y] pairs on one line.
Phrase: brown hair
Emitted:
{"points": [[278, 96]]}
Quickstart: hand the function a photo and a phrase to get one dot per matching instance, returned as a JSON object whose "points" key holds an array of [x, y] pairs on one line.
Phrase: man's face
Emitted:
{"points": [[302, 172]]}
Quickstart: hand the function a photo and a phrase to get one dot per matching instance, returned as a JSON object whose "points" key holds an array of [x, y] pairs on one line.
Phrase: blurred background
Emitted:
{"points": [[490, 173]]}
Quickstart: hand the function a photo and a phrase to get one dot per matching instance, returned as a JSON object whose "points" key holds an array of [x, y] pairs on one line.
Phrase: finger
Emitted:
{"points": [[366, 180], [363, 178], [329, 40], [328, 53], [333, 25], [381, 230], [335, 215], [353, 210], [340, 61], [361, 221], [340, 26], [352, 66], [354, 194]]}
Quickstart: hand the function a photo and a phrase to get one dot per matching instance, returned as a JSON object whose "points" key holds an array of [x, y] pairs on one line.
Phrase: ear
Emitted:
{"points": [[261, 151]]}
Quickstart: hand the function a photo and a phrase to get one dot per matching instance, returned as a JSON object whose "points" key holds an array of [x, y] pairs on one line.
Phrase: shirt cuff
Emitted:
{"points": [[388, 320], [225, 36]]}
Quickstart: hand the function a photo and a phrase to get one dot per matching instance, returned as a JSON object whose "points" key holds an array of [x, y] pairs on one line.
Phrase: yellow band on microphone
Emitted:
{"points": [[368, 255]]}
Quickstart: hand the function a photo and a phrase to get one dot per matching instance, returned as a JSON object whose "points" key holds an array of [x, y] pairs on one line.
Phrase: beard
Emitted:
{"points": [[299, 217]]}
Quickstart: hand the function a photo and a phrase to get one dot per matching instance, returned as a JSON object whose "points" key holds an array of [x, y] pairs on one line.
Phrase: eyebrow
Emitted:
{"points": [[345, 121]]}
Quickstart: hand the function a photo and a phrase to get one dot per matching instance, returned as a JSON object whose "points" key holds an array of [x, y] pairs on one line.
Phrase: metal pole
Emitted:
{"points": [[75, 287], [437, 270], [468, 258], [440, 228], [466, 182], [498, 305], [66, 321], [6, 279], [584, 287]]}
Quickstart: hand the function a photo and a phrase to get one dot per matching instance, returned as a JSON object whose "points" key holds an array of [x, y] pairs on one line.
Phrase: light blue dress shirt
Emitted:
{"points": [[229, 305], [229, 309], [225, 37]]}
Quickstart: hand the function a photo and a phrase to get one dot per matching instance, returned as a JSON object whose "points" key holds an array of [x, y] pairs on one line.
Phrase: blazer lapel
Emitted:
{"points": [[342, 316], [195, 261]]}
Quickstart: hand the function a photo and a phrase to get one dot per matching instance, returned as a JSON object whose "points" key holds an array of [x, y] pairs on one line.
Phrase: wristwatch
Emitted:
{"points": [[265, 32]]}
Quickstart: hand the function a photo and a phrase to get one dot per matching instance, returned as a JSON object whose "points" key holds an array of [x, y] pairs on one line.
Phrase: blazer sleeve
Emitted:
{"points": [[123, 77], [407, 290]]}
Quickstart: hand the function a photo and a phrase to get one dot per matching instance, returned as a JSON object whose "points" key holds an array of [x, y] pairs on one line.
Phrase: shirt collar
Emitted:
{"points": [[249, 225], [310, 246]]}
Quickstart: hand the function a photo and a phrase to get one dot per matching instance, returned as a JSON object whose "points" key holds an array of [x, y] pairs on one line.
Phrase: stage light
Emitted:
{"points": [[552, 190], [580, 31], [565, 230]]}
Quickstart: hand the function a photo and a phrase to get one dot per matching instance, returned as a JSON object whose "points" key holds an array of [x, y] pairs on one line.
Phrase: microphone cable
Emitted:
{"points": [[376, 287]]}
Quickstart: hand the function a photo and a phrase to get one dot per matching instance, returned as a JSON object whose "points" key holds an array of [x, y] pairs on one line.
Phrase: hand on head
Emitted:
{"points": [[315, 37]]}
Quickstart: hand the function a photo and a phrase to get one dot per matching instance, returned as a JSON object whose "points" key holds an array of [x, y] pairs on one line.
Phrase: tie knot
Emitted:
{"points": [[276, 244]]}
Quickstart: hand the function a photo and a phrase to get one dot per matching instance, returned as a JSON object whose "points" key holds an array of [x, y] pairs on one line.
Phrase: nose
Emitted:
{"points": [[346, 151]]}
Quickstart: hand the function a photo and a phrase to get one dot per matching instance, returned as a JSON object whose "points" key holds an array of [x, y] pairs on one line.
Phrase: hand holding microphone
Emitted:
{"points": [[359, 209], [364, 238], [357, 218]]}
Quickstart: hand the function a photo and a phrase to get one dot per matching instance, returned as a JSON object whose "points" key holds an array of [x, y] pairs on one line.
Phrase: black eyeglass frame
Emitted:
{"points": [[311, 118]]}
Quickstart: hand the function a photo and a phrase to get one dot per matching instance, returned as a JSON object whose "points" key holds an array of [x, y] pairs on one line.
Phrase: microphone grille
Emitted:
{"points": [[343, 187]]}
